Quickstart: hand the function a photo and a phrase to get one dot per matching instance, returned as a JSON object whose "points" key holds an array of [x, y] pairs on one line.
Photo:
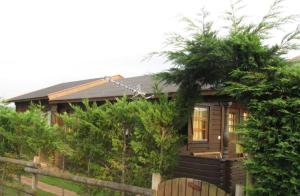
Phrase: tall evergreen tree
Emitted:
{"points": [[243, 66]]}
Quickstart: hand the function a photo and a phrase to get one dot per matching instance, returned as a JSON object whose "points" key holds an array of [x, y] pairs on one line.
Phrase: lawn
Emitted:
{"points": [[73, 186], [10, 192]]}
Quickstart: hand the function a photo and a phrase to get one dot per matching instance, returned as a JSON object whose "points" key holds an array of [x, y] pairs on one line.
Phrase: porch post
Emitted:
{"points": [[54, 120], [53, 110], [226, 105]]}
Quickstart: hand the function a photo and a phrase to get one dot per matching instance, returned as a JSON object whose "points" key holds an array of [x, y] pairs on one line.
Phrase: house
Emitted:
{"points": [[210, 152]]}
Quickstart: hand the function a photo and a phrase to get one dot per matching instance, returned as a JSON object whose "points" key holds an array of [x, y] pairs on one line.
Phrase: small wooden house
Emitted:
{"points": [[210, 152]]}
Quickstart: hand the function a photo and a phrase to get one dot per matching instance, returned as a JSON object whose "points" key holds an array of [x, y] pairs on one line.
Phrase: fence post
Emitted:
{"points": [[239, 190], [156, 179], [34, 182], [35, 176], [1, 190]]}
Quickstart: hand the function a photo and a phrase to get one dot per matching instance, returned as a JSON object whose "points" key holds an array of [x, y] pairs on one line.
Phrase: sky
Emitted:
{"points": [[43, 43]]}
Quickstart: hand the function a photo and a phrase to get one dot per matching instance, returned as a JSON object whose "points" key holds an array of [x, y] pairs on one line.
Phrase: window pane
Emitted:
{"points": [[231, 122], [245, 116], [200, 124]]}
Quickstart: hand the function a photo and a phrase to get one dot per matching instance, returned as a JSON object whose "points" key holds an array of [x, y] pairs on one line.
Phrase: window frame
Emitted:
{"points": [[244, 116], [234, 120], [208, 124]]}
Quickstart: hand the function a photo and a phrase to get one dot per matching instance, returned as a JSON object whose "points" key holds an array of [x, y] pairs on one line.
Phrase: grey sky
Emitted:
{"points": [[48, 42]]}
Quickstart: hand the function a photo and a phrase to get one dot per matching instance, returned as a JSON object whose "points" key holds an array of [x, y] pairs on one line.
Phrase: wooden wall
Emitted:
{"points": [[205, 169], [216, 127], [23, 106], [214, 131], [61, 107], [223, 173]]}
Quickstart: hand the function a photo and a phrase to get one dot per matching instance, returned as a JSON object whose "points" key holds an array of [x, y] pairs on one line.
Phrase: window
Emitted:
{"points": [[245, 116], [200, 124], [231, 121], [238, 148]]}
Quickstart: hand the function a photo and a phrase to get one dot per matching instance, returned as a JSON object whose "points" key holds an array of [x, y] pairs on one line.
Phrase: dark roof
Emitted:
{"points": [[43, 93], [110, 89], [99, 92]]}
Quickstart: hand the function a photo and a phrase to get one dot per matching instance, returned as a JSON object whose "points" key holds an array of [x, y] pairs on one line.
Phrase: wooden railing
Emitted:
{"points": [[33, 168]]}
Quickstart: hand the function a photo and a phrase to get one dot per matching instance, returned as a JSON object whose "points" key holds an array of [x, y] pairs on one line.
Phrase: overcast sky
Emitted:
{"points": [[48, 42]]}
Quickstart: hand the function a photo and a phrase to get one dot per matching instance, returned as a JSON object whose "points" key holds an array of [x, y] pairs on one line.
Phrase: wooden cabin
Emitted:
{"points": [[210, 151]]}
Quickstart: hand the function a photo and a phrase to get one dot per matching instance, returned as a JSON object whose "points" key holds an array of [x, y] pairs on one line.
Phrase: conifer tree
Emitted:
{"points": [[243, 66]]}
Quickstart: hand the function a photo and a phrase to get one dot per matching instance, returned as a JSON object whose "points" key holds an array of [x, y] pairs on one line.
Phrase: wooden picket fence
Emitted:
{"points": [[174, 187]]}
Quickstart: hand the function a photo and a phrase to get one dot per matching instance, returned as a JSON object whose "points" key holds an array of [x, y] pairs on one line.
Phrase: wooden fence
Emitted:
{"points": [[188, 187], [33, 168], [226, 174], [174, 187]]}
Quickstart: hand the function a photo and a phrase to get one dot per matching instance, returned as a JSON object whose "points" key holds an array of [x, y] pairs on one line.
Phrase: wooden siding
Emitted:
{"points": [[23, 106], [188, 187], [214, 131], [223, 173], [206, 169]]}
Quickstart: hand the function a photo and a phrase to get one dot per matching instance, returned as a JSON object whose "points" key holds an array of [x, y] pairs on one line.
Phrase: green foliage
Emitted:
{"points": [[242, 66], [124, 141], [24, 134], [88, 140], [156, 141], [68, 185], [206, 58], [271, 134]]}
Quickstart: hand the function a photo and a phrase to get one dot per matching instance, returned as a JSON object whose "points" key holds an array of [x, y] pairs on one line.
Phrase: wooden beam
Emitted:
{"points": [[94, 182], [19, 162], [206, 153], [75, 89]]}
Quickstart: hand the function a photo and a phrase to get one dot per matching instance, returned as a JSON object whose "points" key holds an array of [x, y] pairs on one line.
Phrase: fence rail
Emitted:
{"points": [[18, 187], [19, 162], [33, 168], [93, 182]]}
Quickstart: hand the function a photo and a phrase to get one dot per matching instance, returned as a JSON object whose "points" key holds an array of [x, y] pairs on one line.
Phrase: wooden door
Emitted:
{"points": [[188, 187]]}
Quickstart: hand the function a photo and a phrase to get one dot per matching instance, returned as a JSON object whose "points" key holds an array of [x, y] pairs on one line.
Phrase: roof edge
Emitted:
{"points": [[13, 100]]}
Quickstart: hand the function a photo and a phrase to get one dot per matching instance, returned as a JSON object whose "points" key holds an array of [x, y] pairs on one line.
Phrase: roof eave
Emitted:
{"points": [[13, 100]]}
